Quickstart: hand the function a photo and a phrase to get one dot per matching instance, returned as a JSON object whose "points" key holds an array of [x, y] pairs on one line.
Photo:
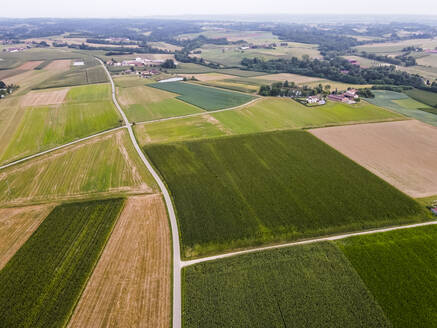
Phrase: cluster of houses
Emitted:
{"points": [[137, 62], [348, 97], [15, 49]]}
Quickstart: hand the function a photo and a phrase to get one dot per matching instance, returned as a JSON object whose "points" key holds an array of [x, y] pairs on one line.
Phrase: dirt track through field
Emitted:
{"points": [[130, 286], [29, 65], [16, 226], [59, 65], [54, 97], [403, 153]]}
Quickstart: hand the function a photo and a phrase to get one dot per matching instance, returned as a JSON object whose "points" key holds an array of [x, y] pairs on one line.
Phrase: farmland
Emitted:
{"points": [[266, 114], [43, 280], [428, 98], [390, 100], [303, 286], [198, 127], [399, 268], [204, 97], [101, 166], [16, 226], [248, 190], [91, 72], [86, 110], [143, 103], [402, 153], [395, 47], [131, 282]]}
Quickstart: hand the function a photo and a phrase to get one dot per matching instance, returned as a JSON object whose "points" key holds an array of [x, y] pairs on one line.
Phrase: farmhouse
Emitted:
{"points": [[79, 63], [351, 93], [353, 62], [312, 99], [173, 79]]}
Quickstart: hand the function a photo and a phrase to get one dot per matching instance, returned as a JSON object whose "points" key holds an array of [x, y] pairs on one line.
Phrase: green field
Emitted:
{"points": [[42, 282], [102, 166], [87, 110], [91, 72], [390, 100], [265, 115], [264, 188], [304, 286], [142, 103], [400, 269], [204, 97], [197, 127], [426, 97]]}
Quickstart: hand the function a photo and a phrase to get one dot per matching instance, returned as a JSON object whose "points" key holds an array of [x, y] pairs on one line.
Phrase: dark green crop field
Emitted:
{"points": [[204, 97], [42, 282], [426, 97], [262, 188], [303, 286], [400, 269]]}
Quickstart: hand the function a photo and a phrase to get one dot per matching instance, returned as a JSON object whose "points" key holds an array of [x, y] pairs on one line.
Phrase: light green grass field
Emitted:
{"points": [[263, 188], [142, 103], [232, 85], [197, 127], [87, 110], [190, 68], [392, 47], [400, 269], [429, 98], [401, 103], [98, 167], [303, 287], [264, 115]]}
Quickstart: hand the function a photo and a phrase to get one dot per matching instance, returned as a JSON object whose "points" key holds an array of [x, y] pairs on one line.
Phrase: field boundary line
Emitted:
{"points": [[59, 147], [177, 298], [306, 241], [205, 112]]}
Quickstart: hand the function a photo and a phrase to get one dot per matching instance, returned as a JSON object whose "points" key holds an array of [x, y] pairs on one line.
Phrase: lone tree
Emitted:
{"points": [[169, 63]]}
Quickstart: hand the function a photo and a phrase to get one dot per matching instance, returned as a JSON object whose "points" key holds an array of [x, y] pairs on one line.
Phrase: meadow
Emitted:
{"points": [[99, 167], [426, 97], [204, 97], [395, 102], [191, 68], [266, 114], [303, 286], [86, 110], [249, 190], [44, 279], [229, 84], [399, 268], [142, 103]]}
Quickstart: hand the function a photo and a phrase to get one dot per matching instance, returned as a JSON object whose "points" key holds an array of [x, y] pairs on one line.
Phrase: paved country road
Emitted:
{"points": [[177, 312]]}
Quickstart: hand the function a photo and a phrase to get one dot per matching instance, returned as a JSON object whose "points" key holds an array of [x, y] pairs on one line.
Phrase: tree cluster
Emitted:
{"points": [[336, 69]]}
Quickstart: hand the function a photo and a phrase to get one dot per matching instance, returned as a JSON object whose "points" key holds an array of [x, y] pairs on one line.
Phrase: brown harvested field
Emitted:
{"points": [[289, 77], [403, 153], [53, 97], [29, 65], [59, 65], [16, 226], [205, 77], [131, 284]]}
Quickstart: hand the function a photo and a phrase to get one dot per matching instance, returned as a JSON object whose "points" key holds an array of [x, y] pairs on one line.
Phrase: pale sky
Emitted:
{"points": [[143, 8]]}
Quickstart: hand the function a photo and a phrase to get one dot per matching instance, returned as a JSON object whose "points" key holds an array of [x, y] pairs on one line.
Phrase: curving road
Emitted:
{"points": [[174, 226]]}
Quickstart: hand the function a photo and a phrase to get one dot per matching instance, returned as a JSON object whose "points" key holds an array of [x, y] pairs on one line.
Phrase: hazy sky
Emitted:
{"points": [[141, 8]]}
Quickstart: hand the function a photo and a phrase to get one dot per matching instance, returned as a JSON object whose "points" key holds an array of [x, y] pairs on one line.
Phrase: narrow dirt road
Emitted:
{"points": [[307, 241], [177, 311], [59, 147]]}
